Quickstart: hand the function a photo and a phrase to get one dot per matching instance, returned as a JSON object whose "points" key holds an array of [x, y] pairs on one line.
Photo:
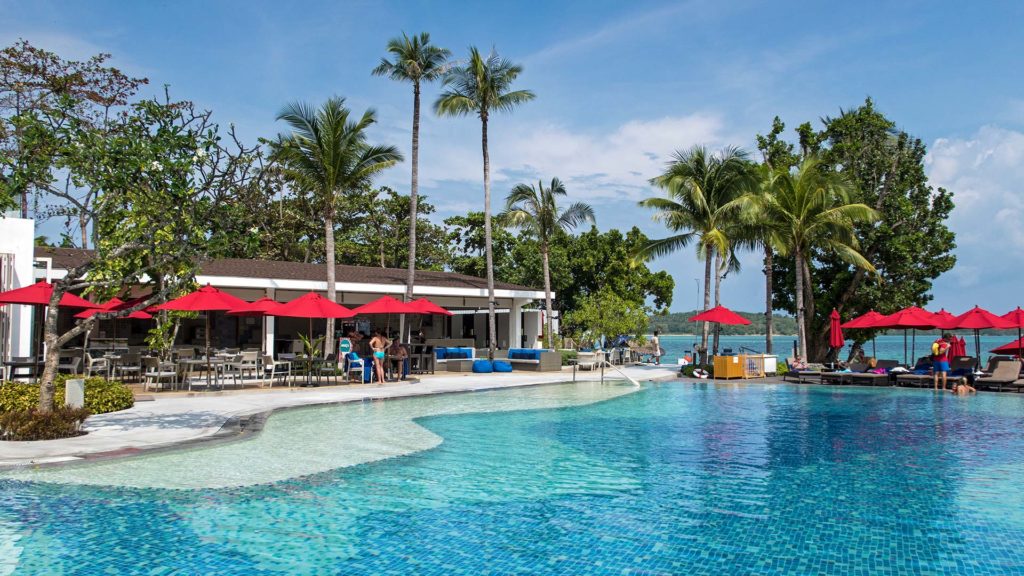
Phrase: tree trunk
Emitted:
{"points": [[768, 307], [708, 255], [83, 225], [52, 355], [720, 264], [816, 332], [547, 297], [329, 249], [414, 187], [492, 325], [801, 332]]}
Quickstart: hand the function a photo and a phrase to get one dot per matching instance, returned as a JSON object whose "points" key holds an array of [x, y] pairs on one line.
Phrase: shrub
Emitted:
{"points": [[568, 355], [101, 395], [63, 422]]}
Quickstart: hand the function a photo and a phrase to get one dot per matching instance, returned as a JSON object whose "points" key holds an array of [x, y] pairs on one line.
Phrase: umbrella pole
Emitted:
{"points": [[1020, 353], [208, 364], [913, 344], [905, 361], [874, 351]]}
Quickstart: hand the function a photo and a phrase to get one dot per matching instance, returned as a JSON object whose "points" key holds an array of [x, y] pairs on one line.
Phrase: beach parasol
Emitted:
{"points": [[866, 321], [311, 305], [1016, 320], [424, 306], [260, 308], [206, 299], [720, 315], [978, 319], [386, 305], [835, 332], [38, 295], [910, 318]]}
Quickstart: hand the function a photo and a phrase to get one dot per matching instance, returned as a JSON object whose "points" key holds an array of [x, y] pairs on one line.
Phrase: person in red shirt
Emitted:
{"points": [[940, 360]]}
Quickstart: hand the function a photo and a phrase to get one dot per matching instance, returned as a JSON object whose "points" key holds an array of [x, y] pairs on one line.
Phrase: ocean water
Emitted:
{"points": [[675, 478], [886, 347]]}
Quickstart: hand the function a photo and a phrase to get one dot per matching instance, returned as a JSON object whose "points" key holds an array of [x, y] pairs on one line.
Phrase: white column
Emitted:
{"points": [[18, 241], [532, 327], [515, 323], [268, 341]]}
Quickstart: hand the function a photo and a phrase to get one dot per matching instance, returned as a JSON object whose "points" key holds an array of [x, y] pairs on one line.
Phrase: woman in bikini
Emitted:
{"points": [[378, 344]]}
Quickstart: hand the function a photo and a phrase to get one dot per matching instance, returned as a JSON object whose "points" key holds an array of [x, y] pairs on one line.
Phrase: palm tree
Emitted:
{"points": [[702, 204], [481, 86], [536, 210], [415, 61], [810, 209], [327, 154]]}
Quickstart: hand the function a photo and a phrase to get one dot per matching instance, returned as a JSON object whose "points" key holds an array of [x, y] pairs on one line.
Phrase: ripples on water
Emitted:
{"points": [[678, 478]]}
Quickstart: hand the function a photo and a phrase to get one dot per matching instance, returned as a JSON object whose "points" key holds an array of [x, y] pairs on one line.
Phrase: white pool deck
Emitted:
{"points": [[172, 420]]}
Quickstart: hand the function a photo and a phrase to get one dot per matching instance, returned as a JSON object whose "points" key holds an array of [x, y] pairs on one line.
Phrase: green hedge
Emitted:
{"points": [[568, 355], [101, 395], [24, 425]]}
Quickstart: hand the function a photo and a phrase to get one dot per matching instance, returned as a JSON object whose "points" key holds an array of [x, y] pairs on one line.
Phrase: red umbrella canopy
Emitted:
{"points": [[425, 306], [720, 315], [958, 347], [206, 298], [978, 318], [835, 333], [261, 307], [113, 305], [1009, 347], [910, 317], [943, 320], [386, 305], [39, 294], [311, 305], [868, 320], [1015, 318]]}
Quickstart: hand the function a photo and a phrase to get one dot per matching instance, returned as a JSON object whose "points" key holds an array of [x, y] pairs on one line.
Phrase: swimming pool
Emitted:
{"points": [[675, 478]]}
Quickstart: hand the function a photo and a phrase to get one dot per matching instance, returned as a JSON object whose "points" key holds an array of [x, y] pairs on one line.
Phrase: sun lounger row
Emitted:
{"points": [[1002, 373]]}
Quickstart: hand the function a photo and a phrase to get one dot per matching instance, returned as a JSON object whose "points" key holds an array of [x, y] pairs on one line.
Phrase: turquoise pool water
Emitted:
{"points": [[673, 479]]}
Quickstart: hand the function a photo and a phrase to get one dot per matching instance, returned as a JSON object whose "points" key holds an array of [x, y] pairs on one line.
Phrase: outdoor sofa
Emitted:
{"points": [[443, 354], [812, 373], [535, 360]]}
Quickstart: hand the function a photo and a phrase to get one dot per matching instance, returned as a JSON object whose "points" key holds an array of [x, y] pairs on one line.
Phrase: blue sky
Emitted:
{"points": [[619, 87]]}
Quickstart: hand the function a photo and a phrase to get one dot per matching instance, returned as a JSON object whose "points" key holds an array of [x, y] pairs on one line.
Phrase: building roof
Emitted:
{"points": [[66, 258]]}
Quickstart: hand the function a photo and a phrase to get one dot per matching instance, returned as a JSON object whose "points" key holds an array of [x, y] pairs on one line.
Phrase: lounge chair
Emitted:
{"points": [[874, 378], [812, 373], [1005, 374], [959, 367], [843, 377]]}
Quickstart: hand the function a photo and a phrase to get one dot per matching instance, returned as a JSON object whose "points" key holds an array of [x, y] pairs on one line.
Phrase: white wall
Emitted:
{"points": [[17, 236]]}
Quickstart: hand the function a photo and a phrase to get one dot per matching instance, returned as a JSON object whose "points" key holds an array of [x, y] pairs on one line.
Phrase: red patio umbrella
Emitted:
{"points": [[835, 333], [386, 305], [866, 321], [720, 315], [39, 295], [311, 305], [206, 299], [424, 306], [1016, 318], [115, 304], [957, 347], [910, 318], [977, 319], [1010, 347], [260, 308]]}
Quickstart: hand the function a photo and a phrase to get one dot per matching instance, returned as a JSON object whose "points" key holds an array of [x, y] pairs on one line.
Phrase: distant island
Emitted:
{"points": [[678, 323]]}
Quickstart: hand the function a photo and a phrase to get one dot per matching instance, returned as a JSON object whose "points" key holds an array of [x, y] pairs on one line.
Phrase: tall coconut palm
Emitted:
{"points": [[480, 86], [327, 153], [416, 61], [703, 202], [536, 211], [813, 208]]}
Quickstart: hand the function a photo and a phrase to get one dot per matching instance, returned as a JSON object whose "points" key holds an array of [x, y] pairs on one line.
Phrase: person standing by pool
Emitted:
{"points": [[940, 359], [656, 343], [378, 344]]}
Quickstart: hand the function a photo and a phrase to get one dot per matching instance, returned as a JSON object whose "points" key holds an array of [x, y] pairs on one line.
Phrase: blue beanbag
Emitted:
{"points": [[482, 367], [502, 366]]}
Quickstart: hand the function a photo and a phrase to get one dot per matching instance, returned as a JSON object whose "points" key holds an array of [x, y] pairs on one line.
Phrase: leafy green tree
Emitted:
{"points": [[702, 204], [35, 83], [910, 244], [536, 211], [327, 153], [813, 208], [157, 185], [415, 61], [605, 313], [481, 86], [377, 234], [469, 245]]}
